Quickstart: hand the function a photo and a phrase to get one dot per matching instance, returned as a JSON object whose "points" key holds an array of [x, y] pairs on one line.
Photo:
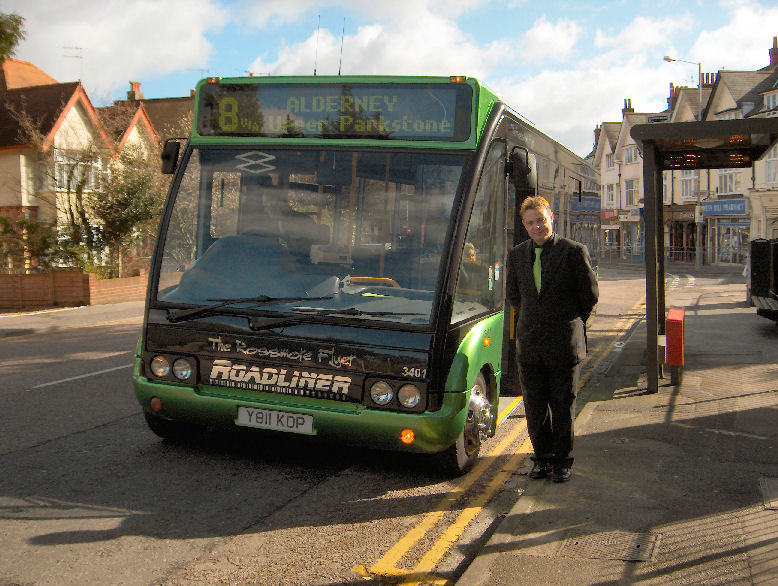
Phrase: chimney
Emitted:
{"points": [[135, 93], [627, 109], [597, 130], [774, 54]]}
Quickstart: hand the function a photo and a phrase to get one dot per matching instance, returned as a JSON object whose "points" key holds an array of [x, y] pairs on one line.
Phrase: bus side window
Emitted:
{"points": [[481, 274]]}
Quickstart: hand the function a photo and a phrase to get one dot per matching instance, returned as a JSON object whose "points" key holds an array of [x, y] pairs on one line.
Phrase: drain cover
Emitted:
{"points": [[612, 545], [769, 488]]}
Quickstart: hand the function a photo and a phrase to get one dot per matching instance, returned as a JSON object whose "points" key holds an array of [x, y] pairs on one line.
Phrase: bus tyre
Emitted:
{"points": [[460, 457], [169, 428]]}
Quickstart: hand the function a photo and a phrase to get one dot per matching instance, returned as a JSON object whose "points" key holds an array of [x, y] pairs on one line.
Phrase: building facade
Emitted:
{"points": [[710, 215]]}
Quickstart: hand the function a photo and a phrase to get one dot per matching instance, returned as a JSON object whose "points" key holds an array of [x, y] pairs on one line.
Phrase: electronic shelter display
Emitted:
{"points": [[414, 112]]}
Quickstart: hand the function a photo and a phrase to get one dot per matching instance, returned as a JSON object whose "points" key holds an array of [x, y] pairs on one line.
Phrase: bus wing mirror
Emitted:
{"points": [[170, 156], [520, 168]]}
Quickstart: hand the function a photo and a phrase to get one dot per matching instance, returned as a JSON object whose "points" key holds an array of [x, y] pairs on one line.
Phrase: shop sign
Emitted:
{"points": [[724, 207], [680, 215], [735, 222], [587, 204]]}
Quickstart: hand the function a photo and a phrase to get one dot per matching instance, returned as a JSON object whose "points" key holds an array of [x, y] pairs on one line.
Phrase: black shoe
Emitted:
{"points": [[540, 470], [561, 474]]}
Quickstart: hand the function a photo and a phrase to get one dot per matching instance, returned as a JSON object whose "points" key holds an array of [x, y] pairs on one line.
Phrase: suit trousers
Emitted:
{"points": [[549, 402]]}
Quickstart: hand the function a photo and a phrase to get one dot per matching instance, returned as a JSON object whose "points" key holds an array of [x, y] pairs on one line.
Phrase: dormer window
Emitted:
{"points": [[771, 101]]}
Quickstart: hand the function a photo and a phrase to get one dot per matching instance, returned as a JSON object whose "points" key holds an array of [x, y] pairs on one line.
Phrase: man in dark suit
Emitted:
{"points": [[552, 286]]}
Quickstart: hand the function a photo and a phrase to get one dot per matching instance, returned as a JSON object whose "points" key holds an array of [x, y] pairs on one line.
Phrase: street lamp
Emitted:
{"points": [[699, 80], [698, 247]]}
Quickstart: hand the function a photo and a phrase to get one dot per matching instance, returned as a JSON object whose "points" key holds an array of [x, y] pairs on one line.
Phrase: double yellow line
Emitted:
{"points": [[423, 570]]}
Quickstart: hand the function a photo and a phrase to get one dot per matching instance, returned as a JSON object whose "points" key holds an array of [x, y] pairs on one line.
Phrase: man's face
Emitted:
{"points": [[538, 224]]}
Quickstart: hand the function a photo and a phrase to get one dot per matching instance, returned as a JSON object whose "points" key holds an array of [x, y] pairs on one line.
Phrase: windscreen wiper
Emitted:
{"points": [[187, 314], [308, 314]]}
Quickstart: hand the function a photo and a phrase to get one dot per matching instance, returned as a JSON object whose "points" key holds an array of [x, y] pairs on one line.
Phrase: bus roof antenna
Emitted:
{"points": [[316, 50], [342, 35]]}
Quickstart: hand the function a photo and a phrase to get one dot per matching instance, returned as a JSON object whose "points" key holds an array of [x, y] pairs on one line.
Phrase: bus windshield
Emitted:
{"points": [[346, 234]]}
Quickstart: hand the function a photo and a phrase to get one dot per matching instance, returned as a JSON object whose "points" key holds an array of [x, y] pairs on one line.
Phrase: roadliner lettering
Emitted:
{"points": [[225, 373]]}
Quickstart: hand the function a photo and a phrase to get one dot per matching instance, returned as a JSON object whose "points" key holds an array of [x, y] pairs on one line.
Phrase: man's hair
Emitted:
{"points": [[537, 202]]}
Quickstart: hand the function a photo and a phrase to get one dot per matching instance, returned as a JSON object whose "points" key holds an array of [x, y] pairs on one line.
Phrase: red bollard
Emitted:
{"points": [[674, 331]]}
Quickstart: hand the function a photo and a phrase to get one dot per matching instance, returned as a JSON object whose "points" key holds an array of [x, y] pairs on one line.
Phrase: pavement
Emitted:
{"points": [[677, 487], [54, 319]]}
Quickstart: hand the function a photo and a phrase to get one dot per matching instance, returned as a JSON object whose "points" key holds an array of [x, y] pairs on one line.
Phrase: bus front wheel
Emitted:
{"points": [[460, 457]]}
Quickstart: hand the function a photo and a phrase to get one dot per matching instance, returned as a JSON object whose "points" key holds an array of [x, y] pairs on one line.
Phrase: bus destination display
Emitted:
{"points": [[426, 112]]}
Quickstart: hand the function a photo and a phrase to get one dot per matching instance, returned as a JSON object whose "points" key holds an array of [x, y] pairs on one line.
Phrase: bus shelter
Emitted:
{"points": [[720, 144]]}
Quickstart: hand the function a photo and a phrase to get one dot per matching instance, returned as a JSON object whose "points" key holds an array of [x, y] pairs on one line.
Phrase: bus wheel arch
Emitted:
{"points": [[462, 454]]}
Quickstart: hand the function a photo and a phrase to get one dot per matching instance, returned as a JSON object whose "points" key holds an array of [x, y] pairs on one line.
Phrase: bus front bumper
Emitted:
{"points": [[351, 423]]}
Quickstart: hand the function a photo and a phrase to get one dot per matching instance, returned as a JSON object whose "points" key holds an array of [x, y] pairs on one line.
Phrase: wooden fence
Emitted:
{"points": [[67, 289]]}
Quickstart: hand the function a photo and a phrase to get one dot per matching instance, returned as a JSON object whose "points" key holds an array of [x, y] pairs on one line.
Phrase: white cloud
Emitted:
{"points": [[568, 104], [271, 12], [752, 25], [420, 43], [550, 39], [643, 33], [119, 40]]}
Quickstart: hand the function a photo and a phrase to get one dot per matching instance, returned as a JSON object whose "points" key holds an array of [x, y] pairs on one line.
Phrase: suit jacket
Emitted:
{"points": [[551, 323]]}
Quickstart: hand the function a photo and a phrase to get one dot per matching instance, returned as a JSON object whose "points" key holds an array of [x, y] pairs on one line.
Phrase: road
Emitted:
{"points": [[89, 495]]}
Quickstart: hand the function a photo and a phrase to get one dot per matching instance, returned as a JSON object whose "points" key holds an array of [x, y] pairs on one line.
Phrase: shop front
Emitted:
{"points": [[728, 225], [610, 240], [631, 234], [680, 233]]}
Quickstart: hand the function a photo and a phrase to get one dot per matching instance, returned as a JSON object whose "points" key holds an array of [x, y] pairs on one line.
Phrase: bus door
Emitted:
{"points": [[522, 177]]}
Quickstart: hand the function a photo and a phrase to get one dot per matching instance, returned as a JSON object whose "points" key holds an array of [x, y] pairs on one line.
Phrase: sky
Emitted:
{"points": [[565, 66]]}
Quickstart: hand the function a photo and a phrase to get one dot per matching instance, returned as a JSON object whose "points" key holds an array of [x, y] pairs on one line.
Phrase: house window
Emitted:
{"points": [[77, 171], [610, 195], [771, 101], [609, 161], [728, 181], [666, 194], [772, 166], [631, 191], [687, 185], [630, 155]]}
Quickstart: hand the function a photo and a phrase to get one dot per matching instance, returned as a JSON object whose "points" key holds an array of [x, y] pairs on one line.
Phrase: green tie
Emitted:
{"points": [[536, 268]]}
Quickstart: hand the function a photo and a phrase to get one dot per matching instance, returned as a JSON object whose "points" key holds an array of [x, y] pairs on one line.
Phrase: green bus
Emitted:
{"points": [[331, 258]]}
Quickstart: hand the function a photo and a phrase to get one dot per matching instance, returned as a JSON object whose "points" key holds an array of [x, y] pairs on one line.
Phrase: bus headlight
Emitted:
{"points": [[160, 366], [381, 392], [409, 396], [182, 370]]}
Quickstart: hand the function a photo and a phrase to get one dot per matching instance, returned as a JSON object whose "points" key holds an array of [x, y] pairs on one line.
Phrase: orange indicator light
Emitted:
{"points": [[487, 341], [457, 78], [407, 436], [156, 404]]}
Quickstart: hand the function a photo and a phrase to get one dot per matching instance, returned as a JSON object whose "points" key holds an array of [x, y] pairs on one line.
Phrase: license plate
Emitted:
{"points": [[276, 420]]}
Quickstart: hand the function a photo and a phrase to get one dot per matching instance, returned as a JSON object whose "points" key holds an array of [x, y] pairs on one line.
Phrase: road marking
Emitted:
{"points": [[72, 378], [508, 410], [422, 572], [452, 534], [387, 565]]}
